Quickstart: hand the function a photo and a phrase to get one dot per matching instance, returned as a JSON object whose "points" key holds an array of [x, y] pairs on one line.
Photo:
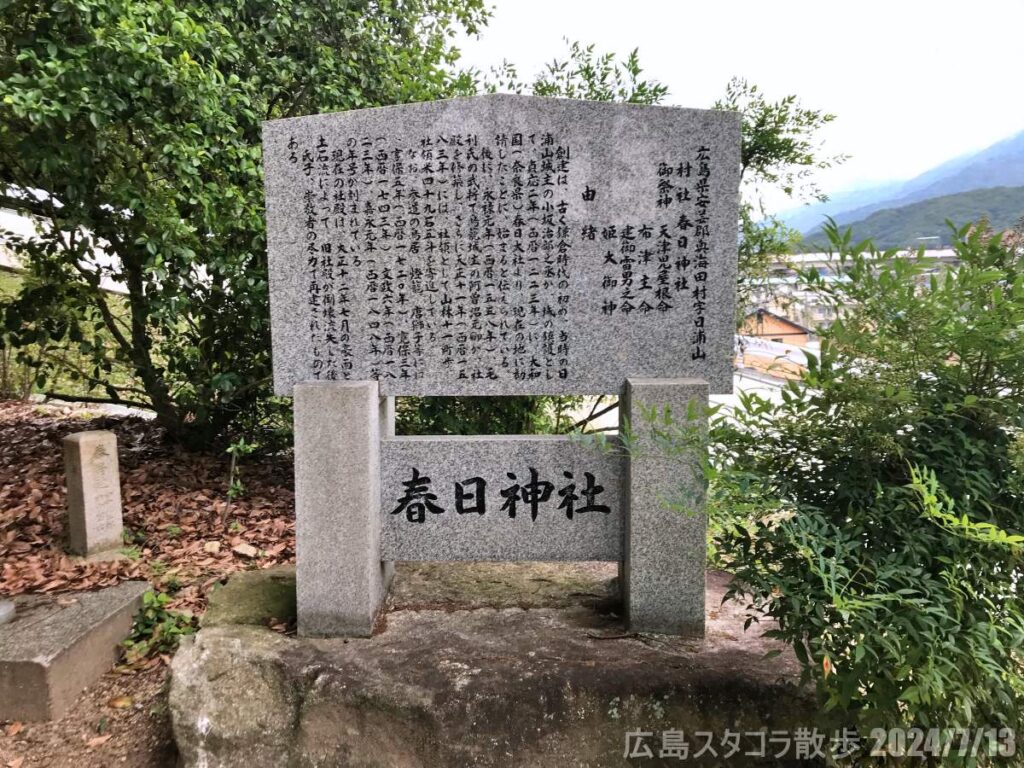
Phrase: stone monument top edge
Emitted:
{"points": [[88, 435], [501, 98]]}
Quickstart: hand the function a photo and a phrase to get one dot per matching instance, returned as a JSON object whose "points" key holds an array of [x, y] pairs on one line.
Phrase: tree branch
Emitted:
{"points": [[592, 416], [100, 400]]}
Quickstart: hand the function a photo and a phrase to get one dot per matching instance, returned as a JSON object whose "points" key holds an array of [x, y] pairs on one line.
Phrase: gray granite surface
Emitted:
{"points": [[503, 244], [666, 527], [94, 492], [55, 646], [573, 518], [341, 581]]}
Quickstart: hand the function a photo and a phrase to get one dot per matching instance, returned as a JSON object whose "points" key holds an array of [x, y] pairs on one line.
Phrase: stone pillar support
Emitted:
{"points": [[341, 581], [665, 548]]}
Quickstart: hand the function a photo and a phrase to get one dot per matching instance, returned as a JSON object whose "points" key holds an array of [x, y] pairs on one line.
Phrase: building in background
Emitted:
{"points": [[765, 324]]}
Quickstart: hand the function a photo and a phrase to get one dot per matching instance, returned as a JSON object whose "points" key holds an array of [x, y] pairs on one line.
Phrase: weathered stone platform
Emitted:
{"points": [[53, 647], [492, 664]]}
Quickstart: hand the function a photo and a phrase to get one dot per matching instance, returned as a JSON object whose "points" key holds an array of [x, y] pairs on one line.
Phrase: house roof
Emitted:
{"points": [[761, 311]]}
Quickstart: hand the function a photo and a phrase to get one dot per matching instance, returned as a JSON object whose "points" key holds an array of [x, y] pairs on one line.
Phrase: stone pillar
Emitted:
{"points": [[387, 417], [387, 429], [665, 550], [341, 581], [94, 493]]}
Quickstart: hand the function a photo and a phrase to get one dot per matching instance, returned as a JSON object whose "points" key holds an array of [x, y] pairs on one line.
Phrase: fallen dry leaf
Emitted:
{"points": [[120, 702], [245, 550], [98, 740], [16, 762], [170, 501], [14, 728]]}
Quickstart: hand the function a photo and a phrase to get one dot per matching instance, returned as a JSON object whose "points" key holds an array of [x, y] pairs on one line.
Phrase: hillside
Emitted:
{"points": [[900, 227], [1000, 165]]}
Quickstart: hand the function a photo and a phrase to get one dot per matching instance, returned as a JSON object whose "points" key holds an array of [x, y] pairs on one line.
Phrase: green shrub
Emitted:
{"points": [[888, 488], [157, 630], [525, 415]]}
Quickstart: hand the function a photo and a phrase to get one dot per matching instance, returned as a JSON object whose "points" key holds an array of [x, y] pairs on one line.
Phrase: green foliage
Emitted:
{"points": [[131, 131], [1000, 207], [132, 537], [876, 512], [239, 448], [17, 372], [236, 488], [156, 630], [585, 75], [780, 139], [38, 353], [526, 415], [781, 149]]}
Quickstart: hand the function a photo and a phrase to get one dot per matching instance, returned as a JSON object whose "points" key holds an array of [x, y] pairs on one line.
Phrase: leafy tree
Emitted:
{"points": [[781, 149], [877, 511], [131, 132], [130, 129], [587, 75]]}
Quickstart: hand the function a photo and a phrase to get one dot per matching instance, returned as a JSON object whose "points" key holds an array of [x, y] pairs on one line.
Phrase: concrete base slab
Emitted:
{"points": [[548, 675], [54, 646]]}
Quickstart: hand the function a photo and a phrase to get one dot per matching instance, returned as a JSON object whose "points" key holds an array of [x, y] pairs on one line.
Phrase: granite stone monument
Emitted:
{"points": [[94, 493], [497, 245]]}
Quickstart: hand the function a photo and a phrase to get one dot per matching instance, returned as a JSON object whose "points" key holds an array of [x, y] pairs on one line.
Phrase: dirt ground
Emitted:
{"points": [[121, 720], [176, 538]]}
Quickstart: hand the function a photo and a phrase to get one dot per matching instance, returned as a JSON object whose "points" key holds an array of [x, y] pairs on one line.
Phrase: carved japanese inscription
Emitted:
{"points": [[503, 245]]}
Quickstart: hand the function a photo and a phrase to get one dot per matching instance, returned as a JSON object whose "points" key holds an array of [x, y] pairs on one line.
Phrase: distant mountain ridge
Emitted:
{"points": [[902, 227], [1000, 165]]}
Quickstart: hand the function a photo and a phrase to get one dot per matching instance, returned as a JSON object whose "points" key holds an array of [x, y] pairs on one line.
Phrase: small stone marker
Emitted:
{"points": [[497, 245], [55, 647], [94, 493]]}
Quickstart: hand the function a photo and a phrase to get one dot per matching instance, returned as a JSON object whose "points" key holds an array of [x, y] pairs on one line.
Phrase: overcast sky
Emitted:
{"points": [[912, 82]]}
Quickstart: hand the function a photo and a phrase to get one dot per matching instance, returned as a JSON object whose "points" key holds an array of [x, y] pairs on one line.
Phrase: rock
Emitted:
{"points": [[6, 610], [236, 705], [245, 550], [253, 597], [211, 547], [451, 685]]}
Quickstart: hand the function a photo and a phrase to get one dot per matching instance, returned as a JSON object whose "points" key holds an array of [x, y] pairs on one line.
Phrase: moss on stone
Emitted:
{"points": [[254, 597]]}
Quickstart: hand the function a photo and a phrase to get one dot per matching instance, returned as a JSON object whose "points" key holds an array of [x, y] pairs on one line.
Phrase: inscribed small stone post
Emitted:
{"points": [[94, 492]]}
